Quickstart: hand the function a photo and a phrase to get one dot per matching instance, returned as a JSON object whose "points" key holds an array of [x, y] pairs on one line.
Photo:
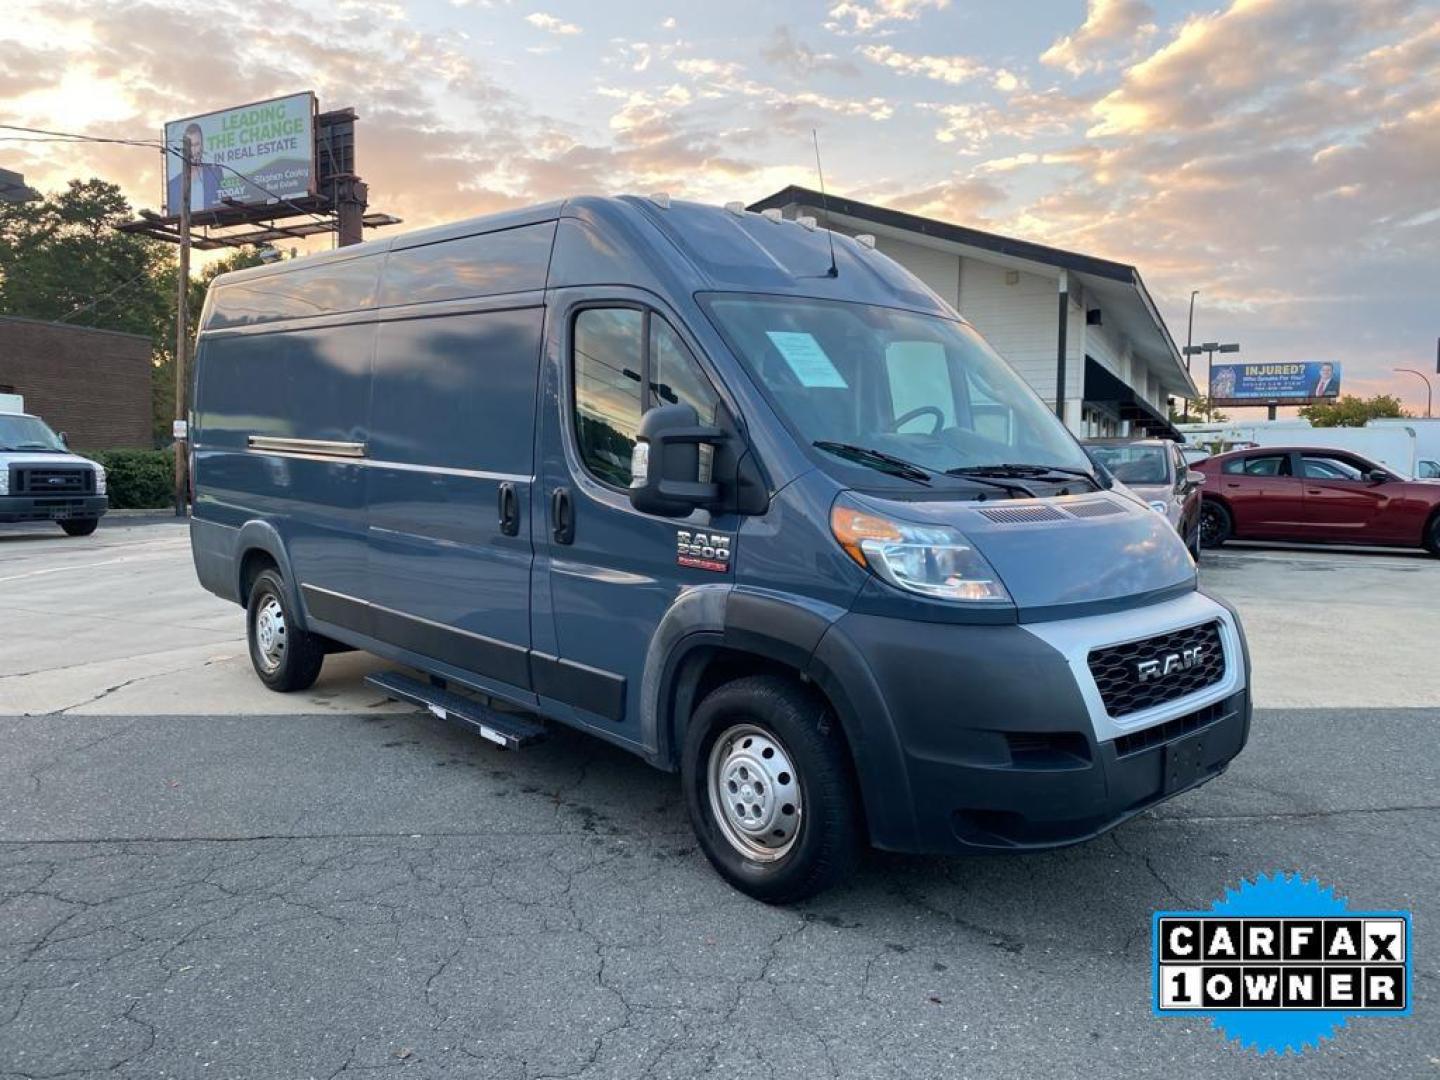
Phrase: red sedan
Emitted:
{"points": [[1315, 495]]}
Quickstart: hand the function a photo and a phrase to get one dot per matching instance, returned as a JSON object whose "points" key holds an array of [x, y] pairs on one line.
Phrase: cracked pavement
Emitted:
{"points": [[341, 890]]}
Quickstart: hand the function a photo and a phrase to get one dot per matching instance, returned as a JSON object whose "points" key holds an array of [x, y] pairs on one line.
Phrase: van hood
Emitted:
{"points": [[29, 457], [1101, 547]]}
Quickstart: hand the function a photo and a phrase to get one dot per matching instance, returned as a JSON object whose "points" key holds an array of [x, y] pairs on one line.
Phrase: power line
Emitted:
{"points": [[106, 296], [67, 136]]}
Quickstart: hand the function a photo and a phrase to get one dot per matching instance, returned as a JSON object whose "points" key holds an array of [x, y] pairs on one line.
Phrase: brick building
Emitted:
{"points": [[1034, 304], [94, 385]]}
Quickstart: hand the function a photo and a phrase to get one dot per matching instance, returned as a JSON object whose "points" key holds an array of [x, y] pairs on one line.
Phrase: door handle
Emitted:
{"points": [[562, 516], [509, 509], [1231, 483]]}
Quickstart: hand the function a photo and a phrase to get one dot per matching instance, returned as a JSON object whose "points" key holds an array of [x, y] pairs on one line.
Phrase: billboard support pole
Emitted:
{"points": [[182, 327], [353, 197]]}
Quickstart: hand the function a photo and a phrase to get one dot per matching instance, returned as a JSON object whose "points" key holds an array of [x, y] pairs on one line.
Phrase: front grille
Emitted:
{"points": [[1142, 674], [52, 481]]}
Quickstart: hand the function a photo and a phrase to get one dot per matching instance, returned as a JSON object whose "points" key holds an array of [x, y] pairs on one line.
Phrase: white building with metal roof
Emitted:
{"points": [[1058, 317]]}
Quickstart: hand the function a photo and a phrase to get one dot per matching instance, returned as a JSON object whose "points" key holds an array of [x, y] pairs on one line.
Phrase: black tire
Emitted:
{"points": [[80, 526], [826, 840], [285, 657], [1216, 524], [1432, 536]]}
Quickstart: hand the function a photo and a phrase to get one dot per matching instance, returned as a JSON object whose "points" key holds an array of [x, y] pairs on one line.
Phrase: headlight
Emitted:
{"points": [[934, 561], [4, 480], [100, 488], [1160, 507]]}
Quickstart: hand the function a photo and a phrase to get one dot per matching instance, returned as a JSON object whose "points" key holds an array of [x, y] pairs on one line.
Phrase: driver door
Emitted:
{"points": [[606, 573], [1340, 504]]}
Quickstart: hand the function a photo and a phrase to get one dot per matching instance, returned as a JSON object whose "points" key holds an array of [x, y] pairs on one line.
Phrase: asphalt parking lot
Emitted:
{"points": [[204, 879]]}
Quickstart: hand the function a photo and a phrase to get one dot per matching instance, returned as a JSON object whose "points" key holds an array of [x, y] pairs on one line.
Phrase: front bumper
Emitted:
{"points": [[998, 739], [52, 507]]}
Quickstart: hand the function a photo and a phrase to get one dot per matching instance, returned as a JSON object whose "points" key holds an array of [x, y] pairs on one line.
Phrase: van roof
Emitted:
{"points": [[691, 245]]}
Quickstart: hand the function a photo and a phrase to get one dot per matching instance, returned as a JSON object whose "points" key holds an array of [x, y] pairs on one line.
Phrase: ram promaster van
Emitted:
{"points": [[771, 517]]}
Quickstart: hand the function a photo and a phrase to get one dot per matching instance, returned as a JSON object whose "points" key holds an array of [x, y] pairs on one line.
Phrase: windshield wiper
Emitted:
{"points": [[909, 470], [877, 459], [1034, 471]]}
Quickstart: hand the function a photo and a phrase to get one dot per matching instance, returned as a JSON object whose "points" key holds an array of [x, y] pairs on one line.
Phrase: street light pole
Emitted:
{"points": [[1189, 334], [1429, 390], [182, 327], [1190, 327]]}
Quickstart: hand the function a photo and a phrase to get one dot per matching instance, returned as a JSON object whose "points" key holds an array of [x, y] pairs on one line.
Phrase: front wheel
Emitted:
{"points": [[285, 657], [1216, 525], [80, 526], [769, 788], [1432, 536]]}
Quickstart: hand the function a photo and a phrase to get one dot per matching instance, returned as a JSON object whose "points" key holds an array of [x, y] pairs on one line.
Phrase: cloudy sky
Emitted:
{"points": [[1281, 156]]}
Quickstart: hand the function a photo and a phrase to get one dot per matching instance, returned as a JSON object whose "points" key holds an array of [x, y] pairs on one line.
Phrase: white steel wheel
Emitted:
{"points": [[754, 792], [271, 636]]}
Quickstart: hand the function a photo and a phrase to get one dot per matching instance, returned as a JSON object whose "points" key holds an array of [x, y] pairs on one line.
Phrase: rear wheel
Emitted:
{"points": [[1216, 525], [80, 526], [1432, 536], [285, 657], [768, 785]]}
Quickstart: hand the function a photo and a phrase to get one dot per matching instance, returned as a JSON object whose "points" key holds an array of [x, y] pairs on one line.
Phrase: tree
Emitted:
{"points": [[1351, 411], [63, 259]]}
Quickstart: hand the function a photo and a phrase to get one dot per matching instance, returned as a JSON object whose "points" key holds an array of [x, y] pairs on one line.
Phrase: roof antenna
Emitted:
{"points": [[834, 270]]}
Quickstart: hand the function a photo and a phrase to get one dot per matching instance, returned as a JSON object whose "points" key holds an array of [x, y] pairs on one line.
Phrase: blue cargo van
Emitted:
{"points": [[738, 495]]}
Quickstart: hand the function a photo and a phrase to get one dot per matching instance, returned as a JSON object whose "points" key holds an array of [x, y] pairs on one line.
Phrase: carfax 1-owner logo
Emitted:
{"points": [[1281, 963]]}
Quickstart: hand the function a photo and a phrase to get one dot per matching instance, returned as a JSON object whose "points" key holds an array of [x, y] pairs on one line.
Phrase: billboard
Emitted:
{"points": [[254, 154], [1289, 384]]}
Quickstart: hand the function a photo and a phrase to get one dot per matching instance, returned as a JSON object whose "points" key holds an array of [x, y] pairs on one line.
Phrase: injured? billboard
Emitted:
{"points": [[252, 154], [1288, 384]]}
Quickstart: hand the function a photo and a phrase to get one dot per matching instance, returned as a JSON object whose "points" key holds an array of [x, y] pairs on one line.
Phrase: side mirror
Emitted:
{"points": [[1194, 478], [1377, 476], [665, 464], [64, 438]]}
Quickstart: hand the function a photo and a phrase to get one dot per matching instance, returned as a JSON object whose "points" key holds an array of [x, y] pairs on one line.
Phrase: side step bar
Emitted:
{"points": [[503, 729]]}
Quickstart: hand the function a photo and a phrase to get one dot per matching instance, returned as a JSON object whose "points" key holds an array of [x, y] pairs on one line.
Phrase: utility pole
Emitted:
{"points": [[182, 329]]}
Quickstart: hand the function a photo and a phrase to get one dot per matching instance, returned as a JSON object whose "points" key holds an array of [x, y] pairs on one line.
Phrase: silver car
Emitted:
{"points": [[1155, 469]]}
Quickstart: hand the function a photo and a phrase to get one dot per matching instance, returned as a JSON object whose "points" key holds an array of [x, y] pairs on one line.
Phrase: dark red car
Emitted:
{"points": [[1317, 496]]}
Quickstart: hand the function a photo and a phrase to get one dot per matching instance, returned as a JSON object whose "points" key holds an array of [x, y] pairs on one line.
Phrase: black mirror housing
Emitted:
{"points": [[665, 465], [1377, 476]]}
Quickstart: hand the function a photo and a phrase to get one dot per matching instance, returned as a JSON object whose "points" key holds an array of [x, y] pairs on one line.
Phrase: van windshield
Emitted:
{"points": [[922, 388], [1135, 464], [28, 433]]}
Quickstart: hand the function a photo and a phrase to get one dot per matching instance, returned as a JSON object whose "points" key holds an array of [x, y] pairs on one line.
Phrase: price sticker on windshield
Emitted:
{"points": [[807, 359]]}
